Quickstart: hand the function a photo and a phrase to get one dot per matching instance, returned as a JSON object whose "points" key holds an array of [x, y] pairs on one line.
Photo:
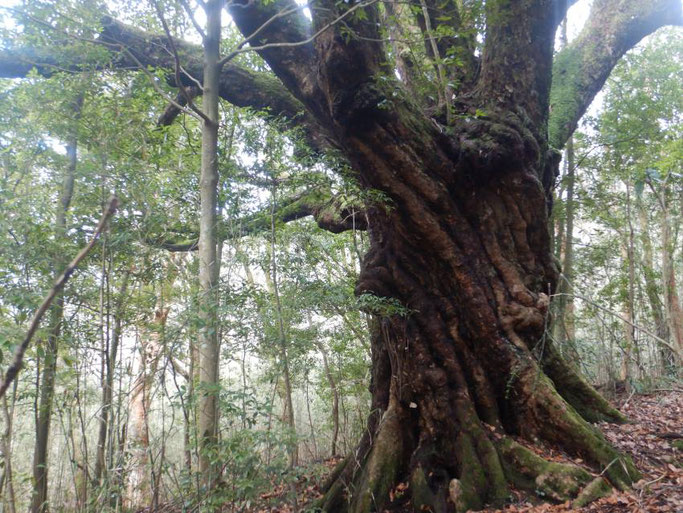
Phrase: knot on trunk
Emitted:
{"points": [[520, 317], [492, 142]]}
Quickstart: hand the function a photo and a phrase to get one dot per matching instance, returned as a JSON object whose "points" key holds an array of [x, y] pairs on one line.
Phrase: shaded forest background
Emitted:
{"points": [[292, 333]]}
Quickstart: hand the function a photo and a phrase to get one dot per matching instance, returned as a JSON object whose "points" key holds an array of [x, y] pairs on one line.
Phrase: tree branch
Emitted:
{"points": [[132, 48], [580, 71], [438, 17], [281, 22], [329, 212], [18, 360], [517, 56]]}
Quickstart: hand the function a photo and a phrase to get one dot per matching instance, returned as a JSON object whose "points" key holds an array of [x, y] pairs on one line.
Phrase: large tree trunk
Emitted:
{"points": [[463, 356], [464, 364]]}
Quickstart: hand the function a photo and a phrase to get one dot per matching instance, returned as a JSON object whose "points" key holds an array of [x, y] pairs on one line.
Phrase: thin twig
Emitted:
{"points": [[190, 14], [629, 398], [18, 360]]}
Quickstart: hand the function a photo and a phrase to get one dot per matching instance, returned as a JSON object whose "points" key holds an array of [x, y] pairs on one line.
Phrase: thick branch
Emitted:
{"points": [[330, 213], [325, 67], [580, 71], [280, 33], [132, 48], [239, 86], [517, 56]]}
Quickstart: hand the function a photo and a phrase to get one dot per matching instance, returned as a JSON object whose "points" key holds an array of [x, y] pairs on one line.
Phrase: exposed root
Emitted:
{"points": [[381, 470], [423, 497], [528, 471], [561, 424], [596, 489], [480, 472], [576, 390]]}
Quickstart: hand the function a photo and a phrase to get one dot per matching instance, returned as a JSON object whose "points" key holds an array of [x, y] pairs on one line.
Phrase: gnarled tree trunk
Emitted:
{"points": [[466, 251], [462, 244]]}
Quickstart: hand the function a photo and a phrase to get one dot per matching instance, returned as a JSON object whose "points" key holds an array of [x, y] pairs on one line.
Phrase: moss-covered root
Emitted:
{"points": [[480, 476], [382, 466], [559, 423], [554, 481], [333, 489], [597, 488], [577, 391]]}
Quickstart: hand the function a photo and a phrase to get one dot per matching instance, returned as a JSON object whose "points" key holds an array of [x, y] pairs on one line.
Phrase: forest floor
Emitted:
{"points": [[656, 428]]}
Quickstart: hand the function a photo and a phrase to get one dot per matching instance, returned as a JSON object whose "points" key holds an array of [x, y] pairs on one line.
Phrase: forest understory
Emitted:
{"points": [[325, 256], [653, 438]]}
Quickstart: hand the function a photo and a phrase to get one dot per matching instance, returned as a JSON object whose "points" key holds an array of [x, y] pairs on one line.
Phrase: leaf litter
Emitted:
{"points": [[653, 438]]}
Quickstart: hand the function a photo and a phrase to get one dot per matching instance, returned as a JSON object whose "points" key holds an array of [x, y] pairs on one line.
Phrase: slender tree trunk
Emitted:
{"points": [[652, 290], [39, 500], [139, 493], [563, 326], [631, 339], [671, 300], [190, 421], [314, 451], [564, 314], [108, 385], [284, 360], [335, 398], [9, 498], [209, 354], [628, 345]]}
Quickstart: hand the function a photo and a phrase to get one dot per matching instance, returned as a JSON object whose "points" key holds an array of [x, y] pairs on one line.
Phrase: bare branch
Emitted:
{"points": [[620, 317], [190, 14]]}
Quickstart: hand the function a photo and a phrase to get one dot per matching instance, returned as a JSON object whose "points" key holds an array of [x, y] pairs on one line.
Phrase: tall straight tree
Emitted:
{"points": [[39, 501], [209, 266], [460, 239]]}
